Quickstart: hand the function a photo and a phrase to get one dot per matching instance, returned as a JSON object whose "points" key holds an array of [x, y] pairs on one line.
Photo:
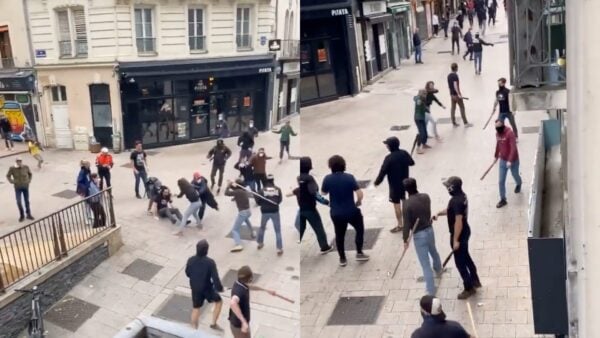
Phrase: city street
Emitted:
{"points": [[120, 296], [355, 128]]}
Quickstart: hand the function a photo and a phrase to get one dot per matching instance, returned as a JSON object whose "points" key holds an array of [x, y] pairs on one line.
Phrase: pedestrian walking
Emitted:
{"points": [[436, 24], [508, 154], [492, 9], [95, 202], [502, 100], [431, 91], [258, 162], [478, 44], [481, 10], [468, 39], [470, 11], [446, 23], [270, 211], [239, 314], [417, 46], [246, 143], [187, 189], [6, 130], [457, 212], [221, 128], [460, 15], [307, 194], [456, 33], [284, 141], [435, 324], [35, 149], [205, 284], [456, 96], [420, 111], [241, 197], [165, 208], [396, 167], [219, 155], [344, 210], [104, 163], [418, 207], [20, 176], [139, 162], [252, 130]]}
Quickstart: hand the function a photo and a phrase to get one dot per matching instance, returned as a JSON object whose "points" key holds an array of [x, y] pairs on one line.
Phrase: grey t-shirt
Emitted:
{"points": [[416, 206]]}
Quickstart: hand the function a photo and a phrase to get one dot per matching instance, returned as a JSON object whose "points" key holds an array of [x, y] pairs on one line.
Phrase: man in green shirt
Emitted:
{"points": [[19, 175], [420, 110], [284, 140]]}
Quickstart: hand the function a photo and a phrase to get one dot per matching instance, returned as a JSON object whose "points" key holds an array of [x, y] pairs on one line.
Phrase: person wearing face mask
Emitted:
{"points": [[20, 176], [252, 129], [164, 206], [221, 128], [219, 155], [502, 100], [457, 212], [258, 162], [508, 154], [435, 324], [95, 202]]}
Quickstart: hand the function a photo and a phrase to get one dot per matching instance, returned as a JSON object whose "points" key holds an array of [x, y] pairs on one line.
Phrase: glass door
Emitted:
{"points": [[200, 120], [101, 114]]}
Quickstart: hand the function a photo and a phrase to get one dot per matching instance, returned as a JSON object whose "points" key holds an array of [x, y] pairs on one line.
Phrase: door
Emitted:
{"points": [[60, 117], [101, 114], [200, 120]]}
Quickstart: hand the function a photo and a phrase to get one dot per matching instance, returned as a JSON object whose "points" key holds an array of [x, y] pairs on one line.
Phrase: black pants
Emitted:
{"points": [[104, 174], [99, 214], [436, 29], [445, 26], [455, 42], [245, 155], [260, 180], [465, 265], [314, 219], [220, 168], [202, 210], [469, 53], [341, 225], [284, 145]]}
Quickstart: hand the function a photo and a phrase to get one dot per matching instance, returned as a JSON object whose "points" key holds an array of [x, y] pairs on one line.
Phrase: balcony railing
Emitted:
{"points": [[66, 48], [7, 63], [197, 43], [146, 45], [243, 41], [30, 248], [290, 49]]}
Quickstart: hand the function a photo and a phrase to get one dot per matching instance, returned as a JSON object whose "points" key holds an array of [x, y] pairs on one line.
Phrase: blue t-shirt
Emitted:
{"points": [[341, 188]]}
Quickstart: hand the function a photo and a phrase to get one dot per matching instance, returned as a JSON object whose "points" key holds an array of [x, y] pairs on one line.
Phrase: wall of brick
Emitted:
{"points": [[15, 316]]}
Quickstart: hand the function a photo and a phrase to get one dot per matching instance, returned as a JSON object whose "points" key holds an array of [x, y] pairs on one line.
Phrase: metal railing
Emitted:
{"points": [[290, 49], [243, 41], [146, 45], [30, 248]]}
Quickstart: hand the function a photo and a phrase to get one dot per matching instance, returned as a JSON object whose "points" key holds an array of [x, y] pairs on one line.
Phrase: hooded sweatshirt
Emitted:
{"points": [[202, 270], [273, 194], [220, 153], [396, 167], [188, 190], [308, 188], [245, 141]]}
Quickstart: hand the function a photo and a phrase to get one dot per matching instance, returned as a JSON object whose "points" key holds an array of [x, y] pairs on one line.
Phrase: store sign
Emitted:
{"points": [[40, 53], [291, 67], [382, 45], [265, 70], [373, 7], [322, 55], [17, 84], [340, 12], [367, 51], [274, 45], [246, 101]]}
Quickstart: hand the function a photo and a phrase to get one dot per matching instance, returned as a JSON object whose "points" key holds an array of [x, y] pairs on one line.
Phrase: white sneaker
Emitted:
{"points": [[237, 248]]}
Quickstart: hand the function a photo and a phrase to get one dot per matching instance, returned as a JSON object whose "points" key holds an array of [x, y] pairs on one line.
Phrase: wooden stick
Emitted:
{"points": [[488, 121], [414, 145], [284, 298], [472, 320], [405, 249], [447, 259], [253, 193], [488, 169]]}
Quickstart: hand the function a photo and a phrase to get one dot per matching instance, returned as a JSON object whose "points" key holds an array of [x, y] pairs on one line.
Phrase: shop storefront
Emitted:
{"points": [[423, 18], [401, 33], [174, 102], [376, 27], [288, 89], [328, 54], [17, 95]]}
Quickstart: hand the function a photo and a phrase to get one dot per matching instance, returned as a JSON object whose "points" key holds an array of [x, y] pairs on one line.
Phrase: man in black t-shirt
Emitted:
{"points": [[140, 168], [456, 96], [435, 324], [458, 224], [502, 100]]}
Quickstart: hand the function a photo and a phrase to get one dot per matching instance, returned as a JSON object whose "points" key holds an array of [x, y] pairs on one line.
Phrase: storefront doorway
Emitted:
{"points": [[101, 114]]}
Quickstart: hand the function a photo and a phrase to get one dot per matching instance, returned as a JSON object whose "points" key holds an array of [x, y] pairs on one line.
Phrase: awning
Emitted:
{"points": [[17, 81], [217, 67], [378, 18]]}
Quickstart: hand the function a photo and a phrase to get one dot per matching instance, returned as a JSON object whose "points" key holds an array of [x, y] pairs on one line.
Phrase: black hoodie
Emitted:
{"points": [[307, 187], [245, 141], [202, 270], [273, 194], [396, 167]]}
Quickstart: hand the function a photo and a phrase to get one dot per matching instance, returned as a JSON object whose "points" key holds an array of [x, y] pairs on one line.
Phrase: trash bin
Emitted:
{"points": [[95, 147], [116, 143]]}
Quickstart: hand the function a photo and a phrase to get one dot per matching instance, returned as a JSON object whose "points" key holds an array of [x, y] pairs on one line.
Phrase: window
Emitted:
{"points": [[72, 34], [197, 37], [143, 31], [59, 94], [243, 37]]}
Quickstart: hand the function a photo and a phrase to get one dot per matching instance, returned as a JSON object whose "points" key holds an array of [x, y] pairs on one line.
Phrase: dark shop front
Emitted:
{"points": [[180, 101], [328, 55]]}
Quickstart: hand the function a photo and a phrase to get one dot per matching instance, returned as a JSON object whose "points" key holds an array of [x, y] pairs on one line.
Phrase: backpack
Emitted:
{"points": [[154, 185]]}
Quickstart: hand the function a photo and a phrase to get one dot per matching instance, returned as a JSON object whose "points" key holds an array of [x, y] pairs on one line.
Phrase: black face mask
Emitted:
{"points": [[501, 86], [500, 130]]}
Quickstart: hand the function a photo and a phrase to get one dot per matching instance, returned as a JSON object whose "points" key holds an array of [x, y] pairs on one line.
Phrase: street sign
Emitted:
{"points": [[40, 53], [263, 40], [274, 45]]}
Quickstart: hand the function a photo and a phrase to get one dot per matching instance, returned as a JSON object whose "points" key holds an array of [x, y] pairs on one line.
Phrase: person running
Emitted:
{"points": [[205, 284], [435, 21], [508, 154], [95, 202], [395, 167], [140, 168], [446, 22], [468, 39], [307, 194], [420, 111], [241, 197], [284, 141], [457, 212], [431, 91], [493, 7], [187, 189], [456, 96], [502, 100], [417, 46], [35, 149], [219, 155], [252, 130], [6, 130], [481, 10], [344, 210], [456, 33], [246, 143], [269, 209], [418, 206], [164, 206], [104, 163], [258, 162], [20, 176], [478, 44], [239, 314], [435, 324]]}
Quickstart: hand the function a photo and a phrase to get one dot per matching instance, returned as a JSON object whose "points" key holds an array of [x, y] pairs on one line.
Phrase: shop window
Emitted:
{"points": [[59, 94], [72, 32], [243, 36], [197, 37], [144, 31]]}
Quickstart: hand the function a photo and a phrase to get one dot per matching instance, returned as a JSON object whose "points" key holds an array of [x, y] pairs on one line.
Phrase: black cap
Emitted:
{"points": [[393, 142], [453, 181]]}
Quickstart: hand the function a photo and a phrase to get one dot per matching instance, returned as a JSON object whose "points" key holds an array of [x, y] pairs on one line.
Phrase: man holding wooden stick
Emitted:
{"points": [[435, 324], [508, 154]]}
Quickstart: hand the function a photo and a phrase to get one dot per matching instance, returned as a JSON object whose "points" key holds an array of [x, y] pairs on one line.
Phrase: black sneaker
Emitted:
{"points": [[455, 124], [29, 217], [21, 219], [138, 196], [501, 203], [518, 189], [466, 294], [343, 262], [326, 251], [361, 257], [477, 284]]}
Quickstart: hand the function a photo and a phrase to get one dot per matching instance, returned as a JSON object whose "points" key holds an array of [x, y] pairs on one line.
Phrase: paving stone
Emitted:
{"points": [[142, 269], [66, 194], [176, 308], [356, 310], [444, 120], [370, 238], [70, 313]]}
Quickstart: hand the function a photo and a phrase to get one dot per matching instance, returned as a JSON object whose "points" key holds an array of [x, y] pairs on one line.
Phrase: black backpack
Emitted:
{"points": [[154, 185]]}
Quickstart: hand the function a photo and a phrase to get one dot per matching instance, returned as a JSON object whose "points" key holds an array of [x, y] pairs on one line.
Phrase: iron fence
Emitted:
{"points": [[30, 248]]}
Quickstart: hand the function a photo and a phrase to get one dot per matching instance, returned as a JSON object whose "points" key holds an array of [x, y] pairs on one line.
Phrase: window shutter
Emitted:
{"points": [[79, 23], [63, 26]]}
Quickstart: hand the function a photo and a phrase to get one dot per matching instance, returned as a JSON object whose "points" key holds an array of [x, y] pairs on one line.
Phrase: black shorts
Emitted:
{"points": [[198, 298], [397, 195]]}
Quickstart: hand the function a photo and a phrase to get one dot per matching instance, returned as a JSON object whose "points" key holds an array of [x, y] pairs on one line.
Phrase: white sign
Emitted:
{"points": [[382, 45], [293, 95], [367, 50], [291, 67], [264, 70], [373, 7], [339, 12]]}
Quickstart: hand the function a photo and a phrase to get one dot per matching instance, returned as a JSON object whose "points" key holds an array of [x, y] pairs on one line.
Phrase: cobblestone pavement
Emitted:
{"points": [[354, 128], [122, 297]]}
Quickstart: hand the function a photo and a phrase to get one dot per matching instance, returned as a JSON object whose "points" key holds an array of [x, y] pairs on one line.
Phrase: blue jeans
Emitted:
{"points": [[192, 210], [514, 170], [511, 119], [425, 246], [143, 176], [477, 58], [422, 127], [418, 53], [22, 194], [276, 225], [242, 217]]}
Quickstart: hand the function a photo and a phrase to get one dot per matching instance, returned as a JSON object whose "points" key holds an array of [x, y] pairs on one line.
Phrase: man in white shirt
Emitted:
{"points": [[436, 24]]}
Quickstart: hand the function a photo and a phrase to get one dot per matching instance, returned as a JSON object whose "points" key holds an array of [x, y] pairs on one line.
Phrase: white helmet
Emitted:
{"points": [[104, 150]]}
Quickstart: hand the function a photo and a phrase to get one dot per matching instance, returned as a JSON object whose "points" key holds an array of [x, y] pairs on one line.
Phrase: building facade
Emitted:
{"points": [[159, 71], [401, 31], [376, 28]]}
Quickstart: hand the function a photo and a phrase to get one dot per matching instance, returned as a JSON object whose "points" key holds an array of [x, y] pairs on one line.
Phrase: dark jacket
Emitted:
{"points": [[259, 163], [219, 155], [222, 129], [416, 39], [19, 176], [396, 167], [5, 125], [273, 194], [188, 190], [202, 271], [431, 97], [83, 182], [245, 141], [246, 171], [478, 44], [240, 196], [417, 206], [206, 195], [468, 39]]}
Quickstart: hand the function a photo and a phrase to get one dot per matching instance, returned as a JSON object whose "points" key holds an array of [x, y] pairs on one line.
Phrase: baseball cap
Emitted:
{"points": [[392, 141], [453, 181], [432, 306]]}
